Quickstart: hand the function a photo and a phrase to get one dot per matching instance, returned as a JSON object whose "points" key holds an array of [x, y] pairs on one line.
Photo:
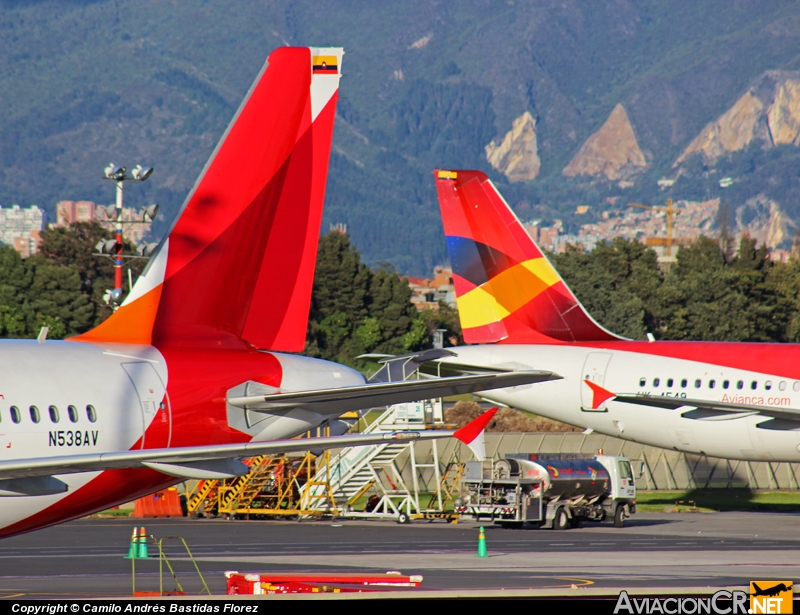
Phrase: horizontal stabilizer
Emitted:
{"points": [[31, 474], [345, 399]]}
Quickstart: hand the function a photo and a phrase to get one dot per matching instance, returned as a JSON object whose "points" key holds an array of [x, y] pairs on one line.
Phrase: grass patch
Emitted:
{"points": [[115, 513], [708, 500]]}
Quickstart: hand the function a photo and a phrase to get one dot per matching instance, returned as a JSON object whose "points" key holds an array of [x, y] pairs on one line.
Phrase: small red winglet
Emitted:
{"points": [[600, 394], [473, 429]]}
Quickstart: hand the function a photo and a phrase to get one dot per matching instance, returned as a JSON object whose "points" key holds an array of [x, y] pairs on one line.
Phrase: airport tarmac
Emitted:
{"points": [[85, 558]]}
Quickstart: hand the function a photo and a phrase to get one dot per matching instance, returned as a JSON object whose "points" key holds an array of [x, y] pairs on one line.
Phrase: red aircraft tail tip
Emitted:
{"points": [[473, 429], [238, 265]]}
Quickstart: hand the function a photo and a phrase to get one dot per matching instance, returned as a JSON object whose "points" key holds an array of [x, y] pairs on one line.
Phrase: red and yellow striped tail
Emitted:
{"points": [[507, 290]]}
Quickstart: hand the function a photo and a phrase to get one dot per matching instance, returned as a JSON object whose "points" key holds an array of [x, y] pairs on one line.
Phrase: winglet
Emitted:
{"points": [[599, 394], [471, 434]]}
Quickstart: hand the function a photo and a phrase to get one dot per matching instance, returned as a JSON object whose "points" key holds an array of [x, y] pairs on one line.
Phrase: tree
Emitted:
{"points": [[617, 283], [74, 245], [355, 310], [707, 297]]}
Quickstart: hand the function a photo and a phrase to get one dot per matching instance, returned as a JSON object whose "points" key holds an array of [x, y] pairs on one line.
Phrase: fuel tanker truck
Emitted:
{"points": [[549, 490]]}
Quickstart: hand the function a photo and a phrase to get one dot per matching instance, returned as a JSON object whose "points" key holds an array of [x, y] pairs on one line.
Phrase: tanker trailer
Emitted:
{"points": [[549, 490]]}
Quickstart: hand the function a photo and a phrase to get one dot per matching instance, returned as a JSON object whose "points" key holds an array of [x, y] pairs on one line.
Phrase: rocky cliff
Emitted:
{"points": [[612, 151], [767, 114], [517, 156], [762, 219]]}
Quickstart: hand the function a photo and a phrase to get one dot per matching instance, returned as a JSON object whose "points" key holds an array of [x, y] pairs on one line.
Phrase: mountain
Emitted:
{"points": [[516, 156], [768, 114], [612, 151], [426, 84]]}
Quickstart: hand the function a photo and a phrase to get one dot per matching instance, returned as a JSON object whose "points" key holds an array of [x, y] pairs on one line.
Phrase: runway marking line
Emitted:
{"points": [[582, 582]]}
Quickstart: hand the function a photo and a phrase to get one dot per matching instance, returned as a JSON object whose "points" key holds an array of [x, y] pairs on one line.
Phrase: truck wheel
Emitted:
{"points": [[619, 516], [561, 520], [403, 518]]}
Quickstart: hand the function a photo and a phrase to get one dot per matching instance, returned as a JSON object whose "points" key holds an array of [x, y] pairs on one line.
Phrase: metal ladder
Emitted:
{"points": [[352, 471]]}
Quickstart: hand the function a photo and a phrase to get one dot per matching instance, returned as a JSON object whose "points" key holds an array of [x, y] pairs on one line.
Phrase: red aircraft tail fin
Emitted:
{"points": [[238, 263], [506, 288]]}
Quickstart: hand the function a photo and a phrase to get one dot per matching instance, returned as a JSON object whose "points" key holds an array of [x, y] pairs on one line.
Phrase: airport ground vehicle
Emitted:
{"points": [[553, 491]]}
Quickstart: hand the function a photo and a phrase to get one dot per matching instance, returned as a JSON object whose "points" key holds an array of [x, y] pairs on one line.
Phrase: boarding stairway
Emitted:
{"points": [[355, 470]]}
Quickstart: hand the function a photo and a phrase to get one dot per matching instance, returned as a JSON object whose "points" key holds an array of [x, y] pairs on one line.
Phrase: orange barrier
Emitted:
{"points": [[159, 504]]}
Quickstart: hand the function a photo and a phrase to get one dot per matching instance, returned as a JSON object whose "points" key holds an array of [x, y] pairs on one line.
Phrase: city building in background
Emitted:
{"points": [[692, 220], [21, 228], [69, 212], [427, 292]]}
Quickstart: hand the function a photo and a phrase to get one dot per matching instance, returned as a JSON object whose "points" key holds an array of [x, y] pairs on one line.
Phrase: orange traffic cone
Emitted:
{"points": [[141, 550]]}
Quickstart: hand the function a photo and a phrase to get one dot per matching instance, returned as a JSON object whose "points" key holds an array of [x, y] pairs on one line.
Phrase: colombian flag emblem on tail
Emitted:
{"points": [[325, 64]]}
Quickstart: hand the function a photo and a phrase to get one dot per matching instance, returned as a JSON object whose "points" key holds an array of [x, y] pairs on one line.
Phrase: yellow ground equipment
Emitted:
{"points": [[272, 488]]}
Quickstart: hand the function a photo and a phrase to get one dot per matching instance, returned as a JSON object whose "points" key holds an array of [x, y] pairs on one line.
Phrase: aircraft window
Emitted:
{"points": [[15, 415], [725, 384], [754, 385], [72, 411], [711, 384], [796, 386], [642, 382], [670, 382], [697, 383], [91, 414], [768, 385], [782, 385], [53, 414], [35, 414], [656, 381], [740, 385], [684, 382]]}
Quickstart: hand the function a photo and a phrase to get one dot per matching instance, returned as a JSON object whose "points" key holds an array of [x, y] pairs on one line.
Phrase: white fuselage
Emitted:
{"points": [[628, 372], [66, 398]]}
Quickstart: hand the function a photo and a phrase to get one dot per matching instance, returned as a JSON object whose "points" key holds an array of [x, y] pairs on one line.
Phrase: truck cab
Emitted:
{"points": [[622, 497]]}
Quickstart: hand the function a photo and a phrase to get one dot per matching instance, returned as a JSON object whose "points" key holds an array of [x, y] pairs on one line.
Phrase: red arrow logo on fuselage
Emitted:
{"points": [[599, 394]]}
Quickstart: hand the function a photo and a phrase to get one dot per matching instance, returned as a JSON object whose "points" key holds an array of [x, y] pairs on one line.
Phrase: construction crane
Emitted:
{"points": [[670, 211]]}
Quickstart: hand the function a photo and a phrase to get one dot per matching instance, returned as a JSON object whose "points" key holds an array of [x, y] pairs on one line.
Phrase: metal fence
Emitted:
{"points": [[661, 469]]}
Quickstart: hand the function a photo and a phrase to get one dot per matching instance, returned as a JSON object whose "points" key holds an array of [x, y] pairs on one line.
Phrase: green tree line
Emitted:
{"points": [[705, 295], [61, 286], [356, 310]]}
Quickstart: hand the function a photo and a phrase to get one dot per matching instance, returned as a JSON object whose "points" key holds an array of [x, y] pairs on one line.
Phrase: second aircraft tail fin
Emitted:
{"points": [[506, 288]]}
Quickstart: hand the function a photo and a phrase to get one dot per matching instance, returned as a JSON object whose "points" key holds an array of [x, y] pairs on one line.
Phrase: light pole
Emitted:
{"points": [[113, 247]]}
